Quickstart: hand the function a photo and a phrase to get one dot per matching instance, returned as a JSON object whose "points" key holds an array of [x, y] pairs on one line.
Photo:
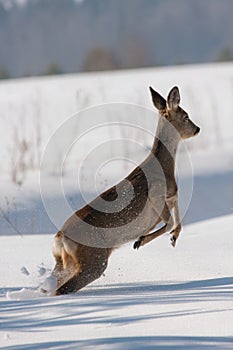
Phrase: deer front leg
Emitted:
{"points": [[177, 224], [167, 219]]}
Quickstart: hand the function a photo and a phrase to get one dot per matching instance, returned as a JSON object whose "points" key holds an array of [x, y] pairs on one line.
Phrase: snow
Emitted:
{"points": [[49, 285], [40, 106], [158, 296], [24, 271]]}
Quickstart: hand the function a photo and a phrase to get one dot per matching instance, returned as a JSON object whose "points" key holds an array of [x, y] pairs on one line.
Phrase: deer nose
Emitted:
{"points": [[197, 130]]}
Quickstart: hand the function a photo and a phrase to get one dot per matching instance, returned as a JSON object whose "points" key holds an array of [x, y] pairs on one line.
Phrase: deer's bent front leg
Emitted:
{"points": [[177, 224], [167, 219]]}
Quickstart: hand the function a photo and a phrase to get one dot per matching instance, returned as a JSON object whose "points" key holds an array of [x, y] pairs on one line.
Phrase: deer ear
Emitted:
{"points": [[158, 100], [173, 99]]}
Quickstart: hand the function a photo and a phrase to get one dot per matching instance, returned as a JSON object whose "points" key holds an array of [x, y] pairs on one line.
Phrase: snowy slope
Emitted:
{"points": [[158, 296], [32, 109]]}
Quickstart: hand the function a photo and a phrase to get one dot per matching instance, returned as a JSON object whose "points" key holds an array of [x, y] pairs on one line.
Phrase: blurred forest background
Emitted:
{"points": [[42, 37]]}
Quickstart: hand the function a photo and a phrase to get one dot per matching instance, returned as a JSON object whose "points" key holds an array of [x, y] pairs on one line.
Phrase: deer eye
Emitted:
{"points": [[186, 117]]}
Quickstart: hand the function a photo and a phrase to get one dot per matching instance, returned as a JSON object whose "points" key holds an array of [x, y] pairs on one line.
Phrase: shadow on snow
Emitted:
{"points": [[90, 305], [136, 343]]}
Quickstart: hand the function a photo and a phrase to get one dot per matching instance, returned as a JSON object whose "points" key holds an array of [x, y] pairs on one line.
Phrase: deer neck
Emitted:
{"points": [[165, 146]]}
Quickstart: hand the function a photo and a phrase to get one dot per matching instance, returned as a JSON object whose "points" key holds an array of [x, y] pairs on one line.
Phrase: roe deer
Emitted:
{"points": [[84, 243]]}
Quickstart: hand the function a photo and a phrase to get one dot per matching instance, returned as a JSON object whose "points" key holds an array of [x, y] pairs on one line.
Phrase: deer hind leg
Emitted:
{"points": [[64, 251], [92, 264], [58, 271], [167, 219]]}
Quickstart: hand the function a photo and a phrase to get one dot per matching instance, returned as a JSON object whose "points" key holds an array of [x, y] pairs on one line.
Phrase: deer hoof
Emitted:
{"points": [[138, 243], [173, 241]]}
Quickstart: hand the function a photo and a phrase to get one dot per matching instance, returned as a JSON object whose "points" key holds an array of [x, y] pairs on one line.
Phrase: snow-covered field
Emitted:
{"points": [[157, 297]]}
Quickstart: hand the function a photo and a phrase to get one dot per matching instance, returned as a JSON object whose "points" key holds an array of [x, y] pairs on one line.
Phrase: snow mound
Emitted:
{"points": [[47, 288], [49, 285], [24, 294]]}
